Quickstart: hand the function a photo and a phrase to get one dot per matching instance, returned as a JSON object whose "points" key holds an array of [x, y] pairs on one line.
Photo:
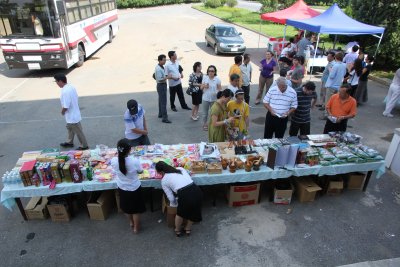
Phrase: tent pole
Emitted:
{"points": [[334, 42], [315, 54], [284, 36], [379, 43], [259, 35]]}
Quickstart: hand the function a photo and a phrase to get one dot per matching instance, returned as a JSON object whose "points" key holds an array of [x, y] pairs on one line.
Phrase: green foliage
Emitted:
{"points": [[269, 5], [231, 3], [147, 3], [385, 13], [212, 3]]}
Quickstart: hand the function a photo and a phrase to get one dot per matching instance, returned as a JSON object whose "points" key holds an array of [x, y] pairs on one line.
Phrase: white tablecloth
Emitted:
{"points": [[10, 192]]}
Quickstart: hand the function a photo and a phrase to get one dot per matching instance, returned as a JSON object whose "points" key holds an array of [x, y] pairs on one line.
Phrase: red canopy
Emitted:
{"points": [[298, 10]]}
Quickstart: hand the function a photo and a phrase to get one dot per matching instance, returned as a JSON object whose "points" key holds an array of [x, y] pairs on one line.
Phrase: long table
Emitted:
{"points": [[10, 195]]}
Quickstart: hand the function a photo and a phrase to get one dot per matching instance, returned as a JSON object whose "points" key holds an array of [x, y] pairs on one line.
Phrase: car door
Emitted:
{"points": [[211, 35]]}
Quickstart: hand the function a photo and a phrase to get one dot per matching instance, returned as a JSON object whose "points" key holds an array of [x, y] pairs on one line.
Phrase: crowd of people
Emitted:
{"points": [[226, 113]]}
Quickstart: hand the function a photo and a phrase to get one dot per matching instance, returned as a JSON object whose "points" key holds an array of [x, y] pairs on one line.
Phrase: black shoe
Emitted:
{"points": [[166, 121], [318, 106], [174, 109], [159, 116], [82, 148], [65, 144], [187, 108]]}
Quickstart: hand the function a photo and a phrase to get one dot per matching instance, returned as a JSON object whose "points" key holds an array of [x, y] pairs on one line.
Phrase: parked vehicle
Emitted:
{"points": [[224, 39]]}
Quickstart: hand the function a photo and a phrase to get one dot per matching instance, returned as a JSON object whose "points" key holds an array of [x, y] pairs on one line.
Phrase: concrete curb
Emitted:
{"points": [[383, 81], [244, 27]]}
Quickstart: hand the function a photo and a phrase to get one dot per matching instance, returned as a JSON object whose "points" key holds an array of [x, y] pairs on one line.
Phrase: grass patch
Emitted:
{"points": [[320, 7], [384, 74], [251, 20]]}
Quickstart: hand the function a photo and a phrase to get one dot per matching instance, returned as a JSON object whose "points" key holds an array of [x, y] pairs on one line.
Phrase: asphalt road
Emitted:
{"points": [[331, 231]]}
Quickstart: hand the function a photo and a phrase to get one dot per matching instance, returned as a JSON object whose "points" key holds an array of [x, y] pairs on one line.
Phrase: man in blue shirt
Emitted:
{"points": [[335, 79], [135, 124], [330, 57]]}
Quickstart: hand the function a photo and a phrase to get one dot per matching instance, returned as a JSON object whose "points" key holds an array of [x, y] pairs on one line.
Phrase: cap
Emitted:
{"points": [[239, 92], [132, 106]]}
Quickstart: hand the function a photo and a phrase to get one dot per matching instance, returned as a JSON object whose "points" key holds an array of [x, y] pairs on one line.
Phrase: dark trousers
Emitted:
{"points": [[275, 125], [141, 141], [246, 90], [335, 127], [295, 127], [177, 89], [162, 100]]}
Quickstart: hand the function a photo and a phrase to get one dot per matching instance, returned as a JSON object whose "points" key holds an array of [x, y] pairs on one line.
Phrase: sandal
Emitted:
{"points": [[205, 128], [178, 233], [188, 232]]}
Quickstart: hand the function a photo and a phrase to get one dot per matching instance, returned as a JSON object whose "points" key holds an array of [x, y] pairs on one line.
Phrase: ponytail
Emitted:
{"points": [[161, 166], [124, 148]]}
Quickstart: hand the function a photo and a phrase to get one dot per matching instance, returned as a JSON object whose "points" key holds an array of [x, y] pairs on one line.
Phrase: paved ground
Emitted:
{"points": [[354, 227]]}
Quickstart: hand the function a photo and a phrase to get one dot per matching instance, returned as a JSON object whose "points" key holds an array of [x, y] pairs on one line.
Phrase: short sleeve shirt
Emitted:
{"points": [[69, 100], [267, 68], [133, 122], [210, 94], [130, 181], [241, 111], [159, 73], [298, 73], [302, 112], [281, 102], [173, 69]]}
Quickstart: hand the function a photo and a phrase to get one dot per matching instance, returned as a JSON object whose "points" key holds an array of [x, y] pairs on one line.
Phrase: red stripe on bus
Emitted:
{"points": [[73, 44], [89, 30]]}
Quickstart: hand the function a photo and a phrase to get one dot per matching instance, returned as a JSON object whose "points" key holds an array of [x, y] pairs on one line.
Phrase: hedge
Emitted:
{"points": [[148, 3]]}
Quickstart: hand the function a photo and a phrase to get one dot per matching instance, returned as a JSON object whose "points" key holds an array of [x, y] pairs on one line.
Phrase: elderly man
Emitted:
{"points": [[340, 108], [280, 101]]}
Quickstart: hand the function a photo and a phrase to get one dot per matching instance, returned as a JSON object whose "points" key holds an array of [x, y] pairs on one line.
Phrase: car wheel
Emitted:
{"points": [[216, 49], [207, 44]]}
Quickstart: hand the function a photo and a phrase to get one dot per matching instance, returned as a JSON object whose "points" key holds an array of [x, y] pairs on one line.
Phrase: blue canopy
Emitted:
{"points": [[334, 21]]}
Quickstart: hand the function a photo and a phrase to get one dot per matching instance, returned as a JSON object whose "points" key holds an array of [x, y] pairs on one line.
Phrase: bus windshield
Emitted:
{"points": [[28, 18]]}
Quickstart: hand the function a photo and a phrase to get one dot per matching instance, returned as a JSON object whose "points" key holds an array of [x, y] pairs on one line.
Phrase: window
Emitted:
{"points": [[85, 9], [73, 11]]}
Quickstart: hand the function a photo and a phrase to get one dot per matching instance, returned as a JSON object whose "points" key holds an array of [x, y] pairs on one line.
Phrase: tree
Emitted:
{"points": [[269, 5], [385, 13]]}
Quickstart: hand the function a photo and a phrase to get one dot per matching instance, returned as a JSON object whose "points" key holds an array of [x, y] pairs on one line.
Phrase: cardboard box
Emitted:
{"points": [[283, 192], [335, 186], [242, 195], [59, 212], [26, 172], [356, 181], [306, 189], [169, 211], [100, 204], [36, 208], [117, 200]]}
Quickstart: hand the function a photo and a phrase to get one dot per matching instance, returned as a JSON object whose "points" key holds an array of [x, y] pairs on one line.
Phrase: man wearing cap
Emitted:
{"points": [[70, 111], [280, 101], [239, 110], [135, 124], [174, 74], [301, 118]]}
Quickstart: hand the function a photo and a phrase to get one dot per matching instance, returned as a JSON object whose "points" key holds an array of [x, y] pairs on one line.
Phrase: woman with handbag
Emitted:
{"points": [[195, 80]]}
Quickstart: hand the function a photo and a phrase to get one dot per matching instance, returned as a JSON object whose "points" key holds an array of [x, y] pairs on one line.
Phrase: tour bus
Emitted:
{"points": [[46, 34]]}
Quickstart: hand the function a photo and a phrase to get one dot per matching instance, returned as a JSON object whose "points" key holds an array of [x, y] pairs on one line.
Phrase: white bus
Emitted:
{"points": [[46, 34]]}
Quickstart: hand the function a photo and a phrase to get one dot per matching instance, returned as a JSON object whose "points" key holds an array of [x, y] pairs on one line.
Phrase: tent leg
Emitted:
{"points": [[379, 43], [315, 54], [259, 35], [334, 42]]}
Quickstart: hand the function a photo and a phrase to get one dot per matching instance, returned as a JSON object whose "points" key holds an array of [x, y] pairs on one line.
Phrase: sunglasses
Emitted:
{"points": [[211, 70]]}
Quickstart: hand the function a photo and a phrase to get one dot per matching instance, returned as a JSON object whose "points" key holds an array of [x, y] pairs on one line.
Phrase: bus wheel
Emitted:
{"points": [[81, 53], [110, 35]]}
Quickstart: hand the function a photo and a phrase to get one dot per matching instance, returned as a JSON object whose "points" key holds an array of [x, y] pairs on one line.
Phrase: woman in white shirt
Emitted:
{"points": [[210, 86], [182, 193], [130, 191]]}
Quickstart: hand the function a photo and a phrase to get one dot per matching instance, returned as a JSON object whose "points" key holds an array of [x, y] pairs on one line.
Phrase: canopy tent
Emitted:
{"points": [[335, 21], [298, 10]]}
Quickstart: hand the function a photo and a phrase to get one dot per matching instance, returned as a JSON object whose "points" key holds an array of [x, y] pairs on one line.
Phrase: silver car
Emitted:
{"points": [[224, 39]]}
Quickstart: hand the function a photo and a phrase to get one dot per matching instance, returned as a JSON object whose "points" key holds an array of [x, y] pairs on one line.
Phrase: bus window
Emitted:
{"points": [[72, 11], [96, 9], [85, 9]]}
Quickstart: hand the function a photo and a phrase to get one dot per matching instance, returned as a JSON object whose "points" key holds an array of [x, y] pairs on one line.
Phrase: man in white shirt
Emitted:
{"points": [[234, 83], [352, 56], [174, 74], [70, 111], [135, 124], [161, 79], [280, 101], [246, 70]]}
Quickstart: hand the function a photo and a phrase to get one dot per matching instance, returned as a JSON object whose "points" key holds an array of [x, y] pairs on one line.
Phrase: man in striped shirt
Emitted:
{"points": [[280, 101], [306, 98]]}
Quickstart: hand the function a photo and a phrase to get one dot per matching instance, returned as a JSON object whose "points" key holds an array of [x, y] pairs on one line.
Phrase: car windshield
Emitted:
{"points": [[28, 18], [226, 32]]}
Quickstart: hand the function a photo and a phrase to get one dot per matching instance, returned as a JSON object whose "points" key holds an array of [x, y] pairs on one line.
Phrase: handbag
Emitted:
{"points": [[189, 91]]}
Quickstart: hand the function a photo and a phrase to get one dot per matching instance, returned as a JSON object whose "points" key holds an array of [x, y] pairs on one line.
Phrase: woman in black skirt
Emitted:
{"points": [[129, 187], [195, 80], [182, 193]]}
